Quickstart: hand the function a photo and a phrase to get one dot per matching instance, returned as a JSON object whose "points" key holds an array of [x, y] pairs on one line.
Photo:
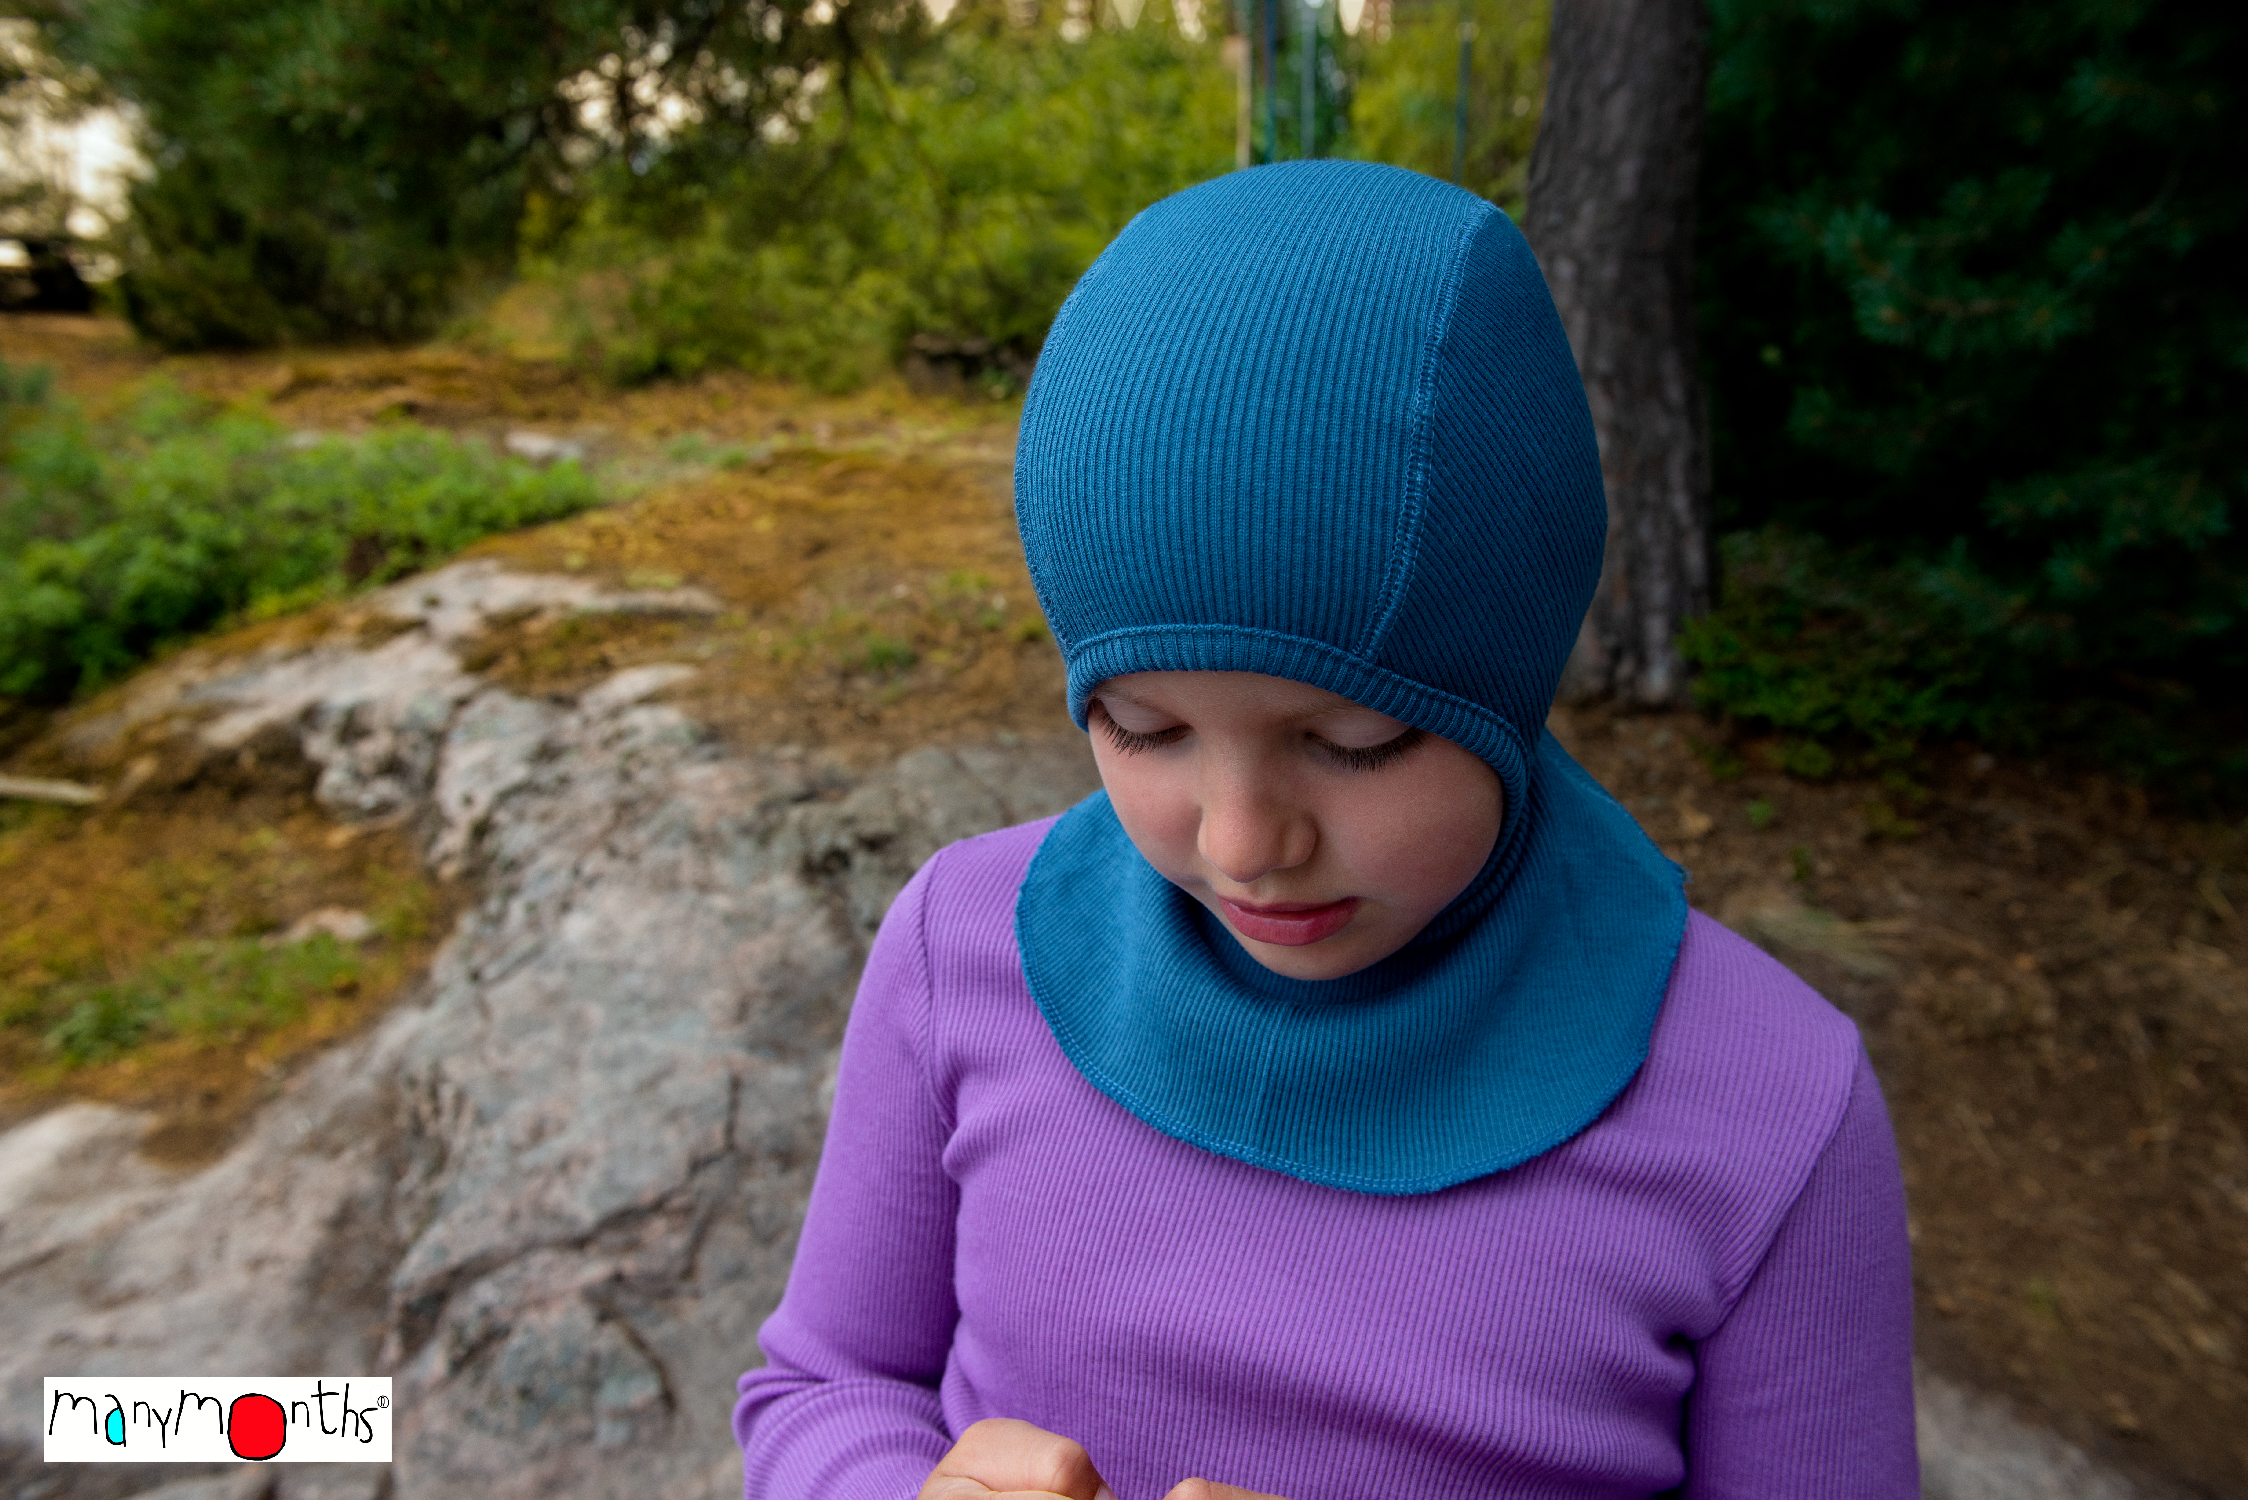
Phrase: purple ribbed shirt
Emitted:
{"points": [[1706, 1292]]}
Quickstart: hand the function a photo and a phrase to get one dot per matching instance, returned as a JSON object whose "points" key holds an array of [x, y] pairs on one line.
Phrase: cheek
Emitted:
{"points": [[1422, 847], [1155, 803]]}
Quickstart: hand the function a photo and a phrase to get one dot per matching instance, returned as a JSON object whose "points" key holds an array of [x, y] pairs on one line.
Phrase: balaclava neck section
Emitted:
{"points": [[1320, 421]]}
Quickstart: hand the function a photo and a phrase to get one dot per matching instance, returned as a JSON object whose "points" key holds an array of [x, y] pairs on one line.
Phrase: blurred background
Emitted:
{"points": [[1919, 331]]}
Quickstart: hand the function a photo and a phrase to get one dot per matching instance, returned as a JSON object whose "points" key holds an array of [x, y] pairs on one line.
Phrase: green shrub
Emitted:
{"points": [[1858, 658], [1822, 645], [323, 169], [942, 200], [120, 536], [1972, 313]]}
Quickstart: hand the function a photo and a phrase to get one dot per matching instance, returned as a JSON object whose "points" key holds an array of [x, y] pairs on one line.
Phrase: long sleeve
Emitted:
{"points": [[846, 1405], [1806, 1388]]}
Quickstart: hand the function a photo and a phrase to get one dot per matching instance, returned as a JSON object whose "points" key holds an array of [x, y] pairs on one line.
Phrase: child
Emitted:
{"points": [[1343, 1104]]}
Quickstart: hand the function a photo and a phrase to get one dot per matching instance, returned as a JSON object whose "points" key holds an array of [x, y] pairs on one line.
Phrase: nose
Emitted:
{"points": [[1248, 830]]}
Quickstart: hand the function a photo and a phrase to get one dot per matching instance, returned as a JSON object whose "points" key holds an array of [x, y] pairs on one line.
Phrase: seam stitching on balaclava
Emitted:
{"points": [[1397, 578]]}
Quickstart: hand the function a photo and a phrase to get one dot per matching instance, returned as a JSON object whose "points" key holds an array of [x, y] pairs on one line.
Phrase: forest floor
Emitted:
{"points": [[2051, 971]]}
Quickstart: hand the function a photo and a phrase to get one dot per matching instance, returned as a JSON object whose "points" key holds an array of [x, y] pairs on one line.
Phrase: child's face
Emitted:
{"points": [[1349, 829]]}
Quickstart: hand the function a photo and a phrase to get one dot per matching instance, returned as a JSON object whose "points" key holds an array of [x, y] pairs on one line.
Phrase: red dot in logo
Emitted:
{"points": [[256, 1427]]}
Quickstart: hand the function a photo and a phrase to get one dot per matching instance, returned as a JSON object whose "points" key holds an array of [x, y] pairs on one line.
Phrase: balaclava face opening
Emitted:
{"points": [[1321, 421]]}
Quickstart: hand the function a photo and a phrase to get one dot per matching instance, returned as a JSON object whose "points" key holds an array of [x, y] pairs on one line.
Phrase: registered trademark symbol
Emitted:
{"points": [[382, 1401]]}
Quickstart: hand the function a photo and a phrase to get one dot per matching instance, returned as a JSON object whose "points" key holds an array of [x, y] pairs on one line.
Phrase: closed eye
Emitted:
{"points": [[1132, 744], [1372, 757]]}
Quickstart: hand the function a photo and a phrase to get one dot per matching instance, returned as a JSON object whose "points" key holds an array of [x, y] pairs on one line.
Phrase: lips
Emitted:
{"points": [[1290, 924]]}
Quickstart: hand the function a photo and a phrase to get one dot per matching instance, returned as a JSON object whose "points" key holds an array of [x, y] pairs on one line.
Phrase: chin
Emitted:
{"points": [[1311, 962]]}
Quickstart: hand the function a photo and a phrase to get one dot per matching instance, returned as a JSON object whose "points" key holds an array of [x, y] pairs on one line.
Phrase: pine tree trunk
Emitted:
{"points": [[1611, 217]]}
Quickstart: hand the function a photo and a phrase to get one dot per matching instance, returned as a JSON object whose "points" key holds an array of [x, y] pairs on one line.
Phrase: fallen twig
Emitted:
{"points": [[40, 789]]}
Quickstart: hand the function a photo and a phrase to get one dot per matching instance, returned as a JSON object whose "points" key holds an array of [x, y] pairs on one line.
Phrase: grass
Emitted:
{"points": [[223, 991]]}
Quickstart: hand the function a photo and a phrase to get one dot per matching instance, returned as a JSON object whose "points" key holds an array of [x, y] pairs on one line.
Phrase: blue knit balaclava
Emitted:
{"points": [[1320, 421]]}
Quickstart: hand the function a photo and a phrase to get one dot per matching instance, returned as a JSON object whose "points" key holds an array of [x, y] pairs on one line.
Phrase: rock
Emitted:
{"points": [[456, 602], [332, 1482], [330, 921], [554, 1197], [236, 1483], [633, 685], [1972, 1448], [489, 752], [543, 448]]}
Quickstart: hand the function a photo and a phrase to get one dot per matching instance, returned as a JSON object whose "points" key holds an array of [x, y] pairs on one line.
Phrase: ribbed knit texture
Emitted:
{"points": [[1320, 421], [1456, 1058], [1706, 1291]]}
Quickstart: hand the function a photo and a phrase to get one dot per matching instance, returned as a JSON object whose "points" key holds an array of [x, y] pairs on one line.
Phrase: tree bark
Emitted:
{"points": [[1611, 217]]}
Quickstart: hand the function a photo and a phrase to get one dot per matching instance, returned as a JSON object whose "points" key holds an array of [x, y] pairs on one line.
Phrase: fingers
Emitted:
{"points": [[1002, 1459], [1205, 1489]]}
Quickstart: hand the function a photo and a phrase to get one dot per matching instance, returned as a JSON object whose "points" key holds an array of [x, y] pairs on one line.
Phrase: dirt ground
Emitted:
{"points": [[2052, 975]]}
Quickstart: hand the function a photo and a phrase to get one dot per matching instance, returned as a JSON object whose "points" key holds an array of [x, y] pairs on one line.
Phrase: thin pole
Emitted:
{"points": [[1272, 80], [1311, 56], [1237, 53], [1459, 108], [1236, 50]]}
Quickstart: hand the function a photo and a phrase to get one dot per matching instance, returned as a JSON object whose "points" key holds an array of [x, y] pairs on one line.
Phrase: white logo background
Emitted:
{"points": [[185, 1419]]}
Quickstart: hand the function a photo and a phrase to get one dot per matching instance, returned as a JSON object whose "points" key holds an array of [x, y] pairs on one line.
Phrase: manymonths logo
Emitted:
{"points": [[144, 1419]]}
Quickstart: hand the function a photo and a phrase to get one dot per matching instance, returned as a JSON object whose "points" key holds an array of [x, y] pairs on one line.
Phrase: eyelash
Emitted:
{"points": [[1132, 744], [1371, 758]]}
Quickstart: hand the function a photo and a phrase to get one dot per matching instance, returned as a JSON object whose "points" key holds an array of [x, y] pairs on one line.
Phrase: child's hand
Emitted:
{"points": [[1204, 1489], [1001, 1459]]}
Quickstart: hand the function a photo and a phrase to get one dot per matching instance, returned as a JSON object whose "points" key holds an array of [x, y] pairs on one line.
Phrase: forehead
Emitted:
{"points": [[1230, 693]]}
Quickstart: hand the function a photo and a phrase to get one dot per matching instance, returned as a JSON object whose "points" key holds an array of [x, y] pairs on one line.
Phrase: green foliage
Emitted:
{"points": [[1859, 658], [941, 200], [786, 186], [203, 991], [331, 168], [886, 653], [1824, 646], [117, 537], [945, 199], [1973, 315], [1404, 100]]}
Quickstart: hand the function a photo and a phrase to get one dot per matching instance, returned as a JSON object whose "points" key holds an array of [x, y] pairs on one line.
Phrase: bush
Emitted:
{"points": [[1860, 657], [118, 537], [1973, 315], [940, 204], [1834, 647]]}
